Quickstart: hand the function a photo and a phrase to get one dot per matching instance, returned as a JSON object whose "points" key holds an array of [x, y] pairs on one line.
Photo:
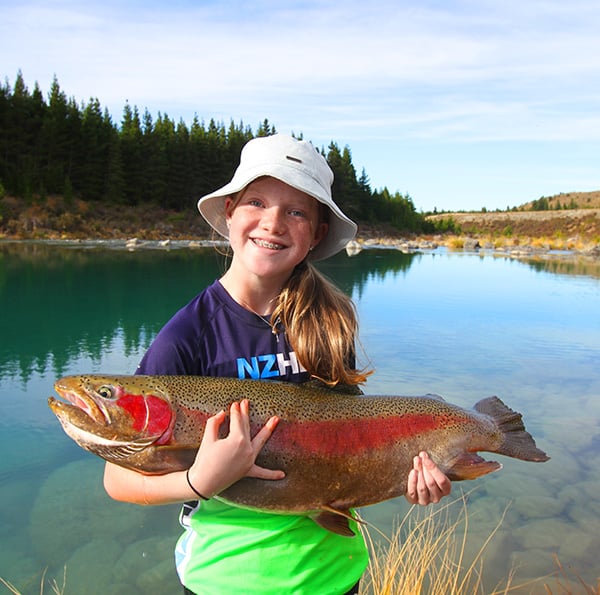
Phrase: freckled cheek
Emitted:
{"points": [[241, 230], [303, 233], [237, 236]]}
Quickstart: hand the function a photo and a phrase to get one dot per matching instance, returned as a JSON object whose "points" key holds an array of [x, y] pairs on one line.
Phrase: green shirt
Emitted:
{"points": [[228, 550]]}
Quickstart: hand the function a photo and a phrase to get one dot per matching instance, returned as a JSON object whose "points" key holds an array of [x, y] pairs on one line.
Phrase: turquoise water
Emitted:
{"points": [[462, 325]]}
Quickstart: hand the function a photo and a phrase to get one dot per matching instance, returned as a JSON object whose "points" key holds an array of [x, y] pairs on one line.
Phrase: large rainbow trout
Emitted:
{"points": [[338, 450]]}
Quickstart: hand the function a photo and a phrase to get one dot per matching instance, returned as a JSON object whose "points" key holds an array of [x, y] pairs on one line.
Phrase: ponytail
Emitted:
{"points": [[321, 325]]}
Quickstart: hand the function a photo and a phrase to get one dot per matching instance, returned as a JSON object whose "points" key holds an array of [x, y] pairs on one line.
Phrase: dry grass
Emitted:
{"points": [[54, 586], [578, 225], [427, 556], [565, 584], [502, 242]]}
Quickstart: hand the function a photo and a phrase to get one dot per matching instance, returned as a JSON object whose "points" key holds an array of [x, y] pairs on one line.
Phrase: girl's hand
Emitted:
{"points": [[426, 482], [221, 462]]}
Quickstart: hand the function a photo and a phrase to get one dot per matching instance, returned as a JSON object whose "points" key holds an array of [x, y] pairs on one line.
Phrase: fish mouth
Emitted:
{"points": [[84, 403], [102, 441], [76, 420]]}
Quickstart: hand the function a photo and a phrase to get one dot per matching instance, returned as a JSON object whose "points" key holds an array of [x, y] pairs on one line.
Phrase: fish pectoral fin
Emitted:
{"points": [[117, 450], [470, 465], [335, 520]]}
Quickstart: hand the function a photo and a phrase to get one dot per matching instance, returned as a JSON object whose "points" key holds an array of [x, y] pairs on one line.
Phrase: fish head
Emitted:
{"points": [[113, 417]]}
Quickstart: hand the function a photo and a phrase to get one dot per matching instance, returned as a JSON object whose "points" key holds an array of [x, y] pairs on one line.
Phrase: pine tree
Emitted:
{"points": [[133, 162], [96, 131], [55, 141]]}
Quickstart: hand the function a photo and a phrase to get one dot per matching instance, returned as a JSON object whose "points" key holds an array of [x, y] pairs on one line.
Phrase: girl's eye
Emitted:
{"points": [[297, 213]]}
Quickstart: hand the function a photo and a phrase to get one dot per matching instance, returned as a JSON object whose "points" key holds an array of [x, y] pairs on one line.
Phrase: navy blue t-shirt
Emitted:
{"points": [[214, 336]]}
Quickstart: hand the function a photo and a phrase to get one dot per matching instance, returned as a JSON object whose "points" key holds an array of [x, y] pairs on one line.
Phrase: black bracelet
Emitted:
{"points": [[187, 476]]}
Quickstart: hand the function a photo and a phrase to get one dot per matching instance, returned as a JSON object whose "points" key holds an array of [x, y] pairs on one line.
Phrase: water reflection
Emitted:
{"points": [[571, 265], [60, 303], [66, 302]]}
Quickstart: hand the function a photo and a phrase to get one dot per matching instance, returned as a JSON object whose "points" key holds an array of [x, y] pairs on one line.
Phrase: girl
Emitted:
{"points": [[271, 315]]}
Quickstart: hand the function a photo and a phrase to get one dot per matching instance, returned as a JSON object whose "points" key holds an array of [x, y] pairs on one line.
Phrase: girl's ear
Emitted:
{"points": [[228, 208], [320, 233]]}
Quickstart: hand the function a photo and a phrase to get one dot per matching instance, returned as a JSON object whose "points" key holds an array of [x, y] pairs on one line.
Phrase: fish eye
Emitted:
{"points": [[106, 392]]}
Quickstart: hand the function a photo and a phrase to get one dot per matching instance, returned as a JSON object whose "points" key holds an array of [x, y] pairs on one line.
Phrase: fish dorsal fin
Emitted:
{"points": [[435, 396], [345, 389], [335, 520]]}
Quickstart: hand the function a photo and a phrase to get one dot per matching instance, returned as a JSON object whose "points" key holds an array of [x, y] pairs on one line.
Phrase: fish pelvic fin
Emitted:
{"points": [[336, 520], [517, 441], [470, 466]]}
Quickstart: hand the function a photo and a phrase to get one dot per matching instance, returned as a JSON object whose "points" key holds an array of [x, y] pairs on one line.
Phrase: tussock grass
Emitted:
{"points": [[565, 584], [53, 584], [427, 555], [456, 243]]}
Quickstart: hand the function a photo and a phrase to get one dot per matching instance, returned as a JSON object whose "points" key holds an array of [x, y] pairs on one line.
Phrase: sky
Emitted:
{"points": [[461, 104]]}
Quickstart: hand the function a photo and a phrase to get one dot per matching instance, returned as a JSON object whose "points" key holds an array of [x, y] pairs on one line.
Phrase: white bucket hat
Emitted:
{"points": [[298, 164]]}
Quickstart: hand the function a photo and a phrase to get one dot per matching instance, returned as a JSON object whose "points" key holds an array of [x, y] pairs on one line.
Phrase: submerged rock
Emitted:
{"points": [[72, 509]]}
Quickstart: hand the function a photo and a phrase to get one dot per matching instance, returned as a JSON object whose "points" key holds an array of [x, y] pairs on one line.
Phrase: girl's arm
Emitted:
{"points": [[219, 463]]}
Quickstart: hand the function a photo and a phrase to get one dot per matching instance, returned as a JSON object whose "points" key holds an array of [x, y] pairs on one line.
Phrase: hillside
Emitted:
{"points": [[581, 223], [579, 200]]}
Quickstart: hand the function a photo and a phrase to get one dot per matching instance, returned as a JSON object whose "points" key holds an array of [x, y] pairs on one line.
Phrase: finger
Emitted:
{"points": [[213, 423], [411, 487], [244, 417], [423, 496], [245, 407], [413, 480], [262, 473], [435, 478], [264, 433], [237, 425]]}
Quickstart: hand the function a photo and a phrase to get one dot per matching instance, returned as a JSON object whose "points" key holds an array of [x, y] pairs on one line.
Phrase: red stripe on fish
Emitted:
{"points": [[354, 436]]}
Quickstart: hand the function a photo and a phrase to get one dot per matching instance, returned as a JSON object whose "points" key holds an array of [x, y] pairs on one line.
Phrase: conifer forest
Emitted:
{"points": [[52, 144]]}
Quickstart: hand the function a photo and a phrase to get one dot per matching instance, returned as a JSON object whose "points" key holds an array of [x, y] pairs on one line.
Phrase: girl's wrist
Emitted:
{"points": [[191, 485]]}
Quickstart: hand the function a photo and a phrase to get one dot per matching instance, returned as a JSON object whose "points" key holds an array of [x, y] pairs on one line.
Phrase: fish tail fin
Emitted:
{"points": [[517, 441]]}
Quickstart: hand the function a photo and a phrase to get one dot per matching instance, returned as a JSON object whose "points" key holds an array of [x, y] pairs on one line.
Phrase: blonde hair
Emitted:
{"points": [[321, 325]]}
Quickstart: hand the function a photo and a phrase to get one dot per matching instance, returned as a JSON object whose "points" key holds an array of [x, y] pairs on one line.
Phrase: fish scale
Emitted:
{"points": [[339, 450]]}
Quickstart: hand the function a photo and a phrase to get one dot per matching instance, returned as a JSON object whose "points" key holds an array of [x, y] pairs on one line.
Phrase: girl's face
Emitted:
{"points": [[272, 227]]}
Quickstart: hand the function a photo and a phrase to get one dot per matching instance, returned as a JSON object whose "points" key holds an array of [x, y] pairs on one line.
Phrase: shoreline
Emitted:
{"points": [[514, 248], [517, 233]]}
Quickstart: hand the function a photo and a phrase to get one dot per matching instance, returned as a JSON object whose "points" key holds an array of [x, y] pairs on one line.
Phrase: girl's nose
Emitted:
{"points": [[272, 220]]}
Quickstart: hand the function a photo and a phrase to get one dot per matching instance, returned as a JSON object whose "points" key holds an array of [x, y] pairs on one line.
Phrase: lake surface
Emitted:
{"points": [[465, 326]]}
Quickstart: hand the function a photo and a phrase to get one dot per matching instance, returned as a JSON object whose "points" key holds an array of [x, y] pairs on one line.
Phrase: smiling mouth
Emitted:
{"points": [[265, 244]]}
